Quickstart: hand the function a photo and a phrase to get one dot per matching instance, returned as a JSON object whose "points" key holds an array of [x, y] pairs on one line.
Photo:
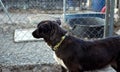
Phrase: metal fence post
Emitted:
{"points": [[106, 27], [5, 10], [109, 18], [112, 5], [64, 10], [119, 10]]}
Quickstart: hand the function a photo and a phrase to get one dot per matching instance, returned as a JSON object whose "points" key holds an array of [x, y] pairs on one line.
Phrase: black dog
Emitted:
{"points": [[79, 55]]}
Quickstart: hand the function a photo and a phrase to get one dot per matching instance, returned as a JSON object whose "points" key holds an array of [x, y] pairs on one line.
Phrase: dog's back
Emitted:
{"points": [[91, 54]]}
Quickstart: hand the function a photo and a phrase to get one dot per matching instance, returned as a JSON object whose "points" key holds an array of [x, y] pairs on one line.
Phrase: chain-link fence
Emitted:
{"points": [[33, 4], [87, 23], [92, 28], [18, 18]]}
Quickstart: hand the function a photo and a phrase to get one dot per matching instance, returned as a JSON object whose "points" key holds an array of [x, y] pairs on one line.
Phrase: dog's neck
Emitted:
{"points": [[59, 43], [55, 40]]}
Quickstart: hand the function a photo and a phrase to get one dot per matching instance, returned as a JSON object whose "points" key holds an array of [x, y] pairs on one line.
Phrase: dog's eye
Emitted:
{"points": [[46, 30], [43, 30], [40, 30]]}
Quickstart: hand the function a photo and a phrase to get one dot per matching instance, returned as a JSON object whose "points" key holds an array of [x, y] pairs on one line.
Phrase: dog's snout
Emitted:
{"points": [[35, 34]]}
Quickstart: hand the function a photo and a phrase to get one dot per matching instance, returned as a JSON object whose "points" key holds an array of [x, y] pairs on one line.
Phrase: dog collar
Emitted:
{"points": [[58, 44]]}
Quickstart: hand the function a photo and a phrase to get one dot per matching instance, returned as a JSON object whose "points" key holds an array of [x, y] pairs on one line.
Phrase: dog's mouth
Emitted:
{"points": [[35, 34]]}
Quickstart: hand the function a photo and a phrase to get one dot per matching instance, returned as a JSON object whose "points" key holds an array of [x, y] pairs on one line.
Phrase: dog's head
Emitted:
{"points": [[46, 28]]}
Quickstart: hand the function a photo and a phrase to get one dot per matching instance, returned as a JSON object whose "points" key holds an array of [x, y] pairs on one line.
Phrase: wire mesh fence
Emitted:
{"points": [[17, 46], [92, 28], [25, 8], [33, 4]]}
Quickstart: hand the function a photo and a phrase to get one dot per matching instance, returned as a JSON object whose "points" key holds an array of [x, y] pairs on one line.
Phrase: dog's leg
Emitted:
{"points": [[63, 69], [118, 64], [77, 71]]}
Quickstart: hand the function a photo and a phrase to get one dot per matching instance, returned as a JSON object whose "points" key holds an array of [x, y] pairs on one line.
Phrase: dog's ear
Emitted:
{"points": [[58, 21]]}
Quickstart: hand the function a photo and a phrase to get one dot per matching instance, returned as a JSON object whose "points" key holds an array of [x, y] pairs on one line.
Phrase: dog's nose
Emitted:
{"points": [[35, 35]]}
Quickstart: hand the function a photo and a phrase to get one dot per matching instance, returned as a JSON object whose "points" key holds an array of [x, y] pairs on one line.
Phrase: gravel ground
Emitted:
{"points": [[18, 55], [29, 56]]}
